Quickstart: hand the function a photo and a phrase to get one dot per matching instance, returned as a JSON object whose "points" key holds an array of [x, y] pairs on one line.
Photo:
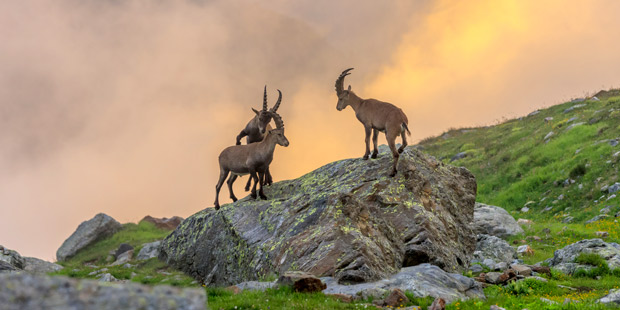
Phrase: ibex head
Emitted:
{"points": [[343, 95], [279, 131], [264, 116]]}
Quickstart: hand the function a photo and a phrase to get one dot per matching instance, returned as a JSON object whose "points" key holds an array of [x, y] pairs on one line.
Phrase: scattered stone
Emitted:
{"points": [[438, 304], [525, 209], [11, 257], [458, 156], [149, 250], [546, 231], [611, 189], [597, 218], [613, 142], [525, 250], [57, 292], [548, 119], [39, 266], [301, 281], [475, 268], [495, 221], [396, 298], [574, 125], [123, 258], [549, 301], [548, 135], [421, 280], [602, 234], [87, 233], [106, 277], [164, 223], [574, 107], [122, 248], [541, 269], [606, 210], [496, 307], [524, 222], [521, 270], [495, 277], [491, 249], [611, 197], [534, 113], [501, 266], [595, 99], [568, 219], [612, 297]]}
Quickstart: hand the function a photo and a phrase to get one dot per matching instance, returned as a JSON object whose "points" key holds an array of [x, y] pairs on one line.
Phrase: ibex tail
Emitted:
{"points": [[406, 128]]}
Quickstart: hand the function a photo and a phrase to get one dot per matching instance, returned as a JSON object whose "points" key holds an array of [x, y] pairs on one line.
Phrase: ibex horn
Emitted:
{"points": [[340, 80], [265, 99], [278, 120], [277, 105]]}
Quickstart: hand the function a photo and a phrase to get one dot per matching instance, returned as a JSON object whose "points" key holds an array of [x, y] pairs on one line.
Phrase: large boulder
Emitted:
{"points": [[26, 291], [494, 248], [494, 221], [564, 259], [348, 219], [12, 261], [35, 265], [422, 281], [11, 257], [87, 233]]}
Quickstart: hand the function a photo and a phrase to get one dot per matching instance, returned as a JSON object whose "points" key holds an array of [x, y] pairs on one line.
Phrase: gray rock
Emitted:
{"points": [[476, 268], [123, 258], [106, 277], [495, 249], [422, 280], [613, 142], [574, 125], [612, 297], [122, 248], [563, 259], [501, 266], [6, 267], [597, 218], [549, 135], [568, 219], [490, 263], [149, 250], [525, 209], [548, 119], [613, 188], [496, 307], [606, 210], [348, 219], [87, 233], [521, 270], [494, 277], [494, 221], [534, 113], [574, 107], [458, 156], [39, 266], [11, 257], [45, 292]]}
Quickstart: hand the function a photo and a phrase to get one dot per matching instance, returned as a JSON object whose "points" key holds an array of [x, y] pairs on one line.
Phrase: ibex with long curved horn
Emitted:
{"points": [[376, 116], [252, 159], [255, 129]]}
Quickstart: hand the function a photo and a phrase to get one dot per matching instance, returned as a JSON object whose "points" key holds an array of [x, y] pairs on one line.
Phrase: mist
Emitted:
{"points": [[122, 107]]}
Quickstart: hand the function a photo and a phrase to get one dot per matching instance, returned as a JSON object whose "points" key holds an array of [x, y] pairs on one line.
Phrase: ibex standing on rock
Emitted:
{"points": [[256, 128], [377, 116], [253, 159]]}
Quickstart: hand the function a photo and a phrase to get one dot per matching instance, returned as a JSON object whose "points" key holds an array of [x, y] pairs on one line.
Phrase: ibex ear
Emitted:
{"points": [[257, 113], [349, 89]]}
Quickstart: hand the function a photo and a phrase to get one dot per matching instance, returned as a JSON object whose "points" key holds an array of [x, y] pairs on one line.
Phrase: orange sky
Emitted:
{"points": [[123, 107]]}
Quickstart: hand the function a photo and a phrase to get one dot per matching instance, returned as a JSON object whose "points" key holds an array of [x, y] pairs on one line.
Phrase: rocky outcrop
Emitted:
{"points": [[564, 259], [12, 261], [87, 233], [348, 220], [495, 249], [164, 223], [422, 281], [494, 221], [26, 291], [612, 298]]}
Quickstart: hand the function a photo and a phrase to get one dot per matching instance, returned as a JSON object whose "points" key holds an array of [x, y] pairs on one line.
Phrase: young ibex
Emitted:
{"points": [[256, 127], [253, 159], [377, 116]]}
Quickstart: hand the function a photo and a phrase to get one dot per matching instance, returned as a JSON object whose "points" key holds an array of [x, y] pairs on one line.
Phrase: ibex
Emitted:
{"points": [[252, 159], [256, 127], [377, 116]]}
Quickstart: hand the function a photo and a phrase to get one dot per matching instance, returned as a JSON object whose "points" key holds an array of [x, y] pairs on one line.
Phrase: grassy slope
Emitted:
{"points": [[513, 165]]}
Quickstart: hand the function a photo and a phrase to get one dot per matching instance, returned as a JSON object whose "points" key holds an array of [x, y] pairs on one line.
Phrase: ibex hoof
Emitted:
{"points": [[238, 143], [263, 197], [374, 155], [400, 150], [253, 195], [247, 188], [393, 174], [365, 157], [217, 207], [234, 199]]}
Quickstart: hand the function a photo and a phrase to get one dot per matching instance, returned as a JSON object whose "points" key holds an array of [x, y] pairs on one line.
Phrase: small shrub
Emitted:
{"points": [[578, 171], [592, 259]]}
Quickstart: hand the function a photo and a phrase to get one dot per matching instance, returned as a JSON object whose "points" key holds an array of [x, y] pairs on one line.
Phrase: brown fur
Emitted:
{"points": [[376, 116]]}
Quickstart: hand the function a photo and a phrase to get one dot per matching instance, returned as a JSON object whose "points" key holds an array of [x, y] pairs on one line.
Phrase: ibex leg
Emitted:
{"points": [[223, 175], [391, 138], [261, 177], [247, 185], [402, 147], [268, 179], [375, 135], [253, 176], [230, 182], [367, 140]]}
